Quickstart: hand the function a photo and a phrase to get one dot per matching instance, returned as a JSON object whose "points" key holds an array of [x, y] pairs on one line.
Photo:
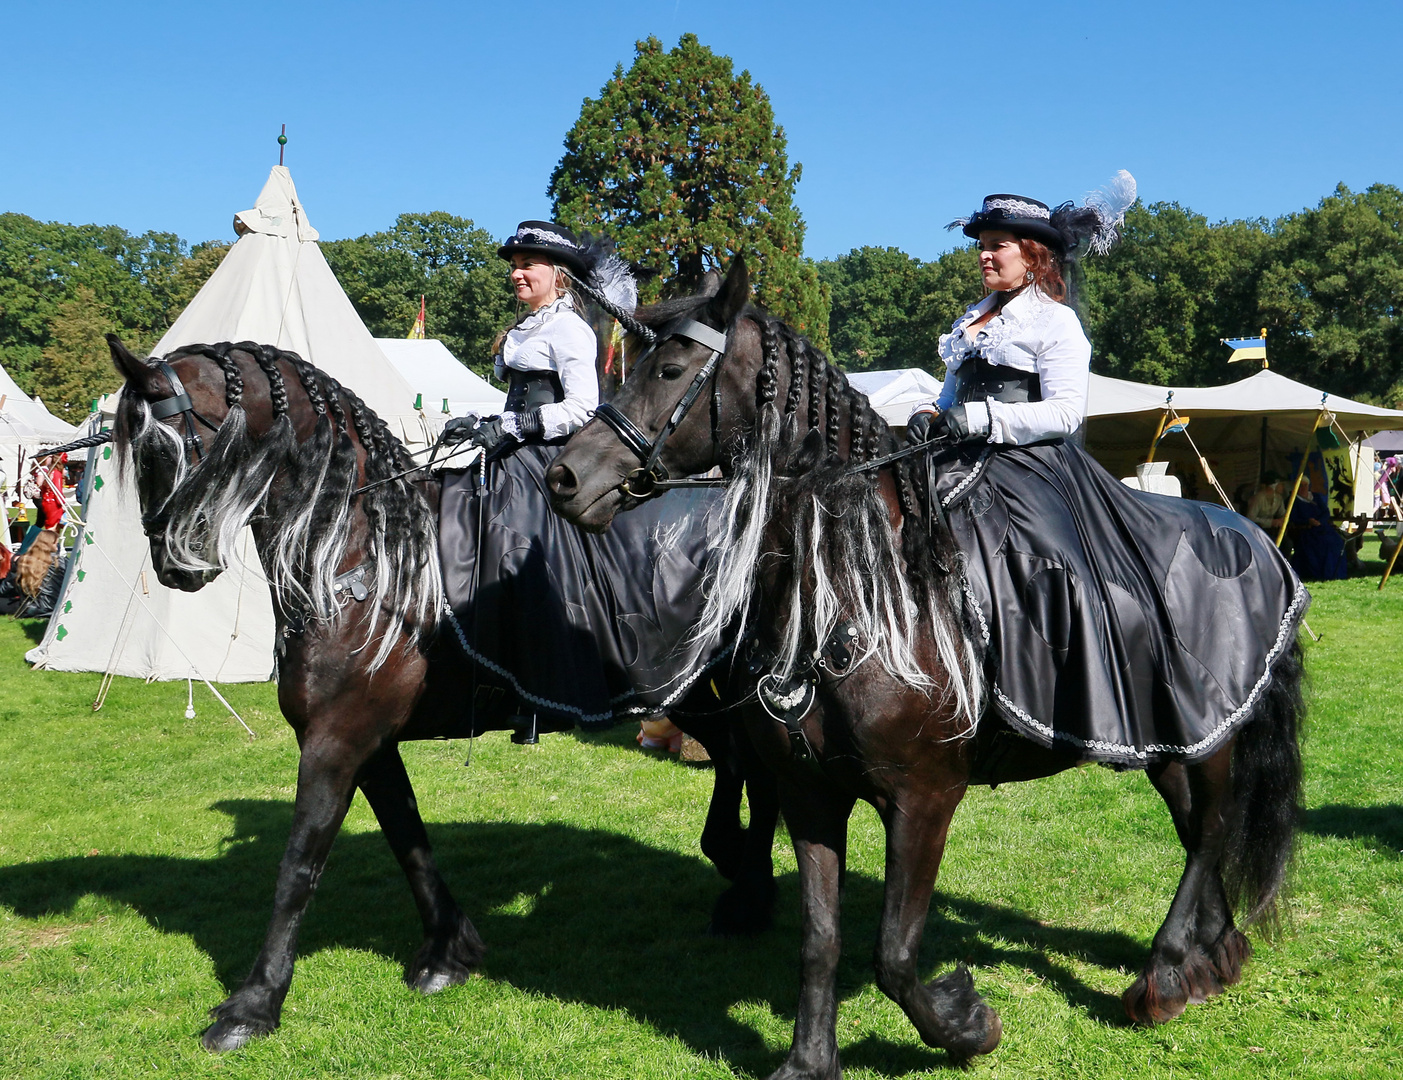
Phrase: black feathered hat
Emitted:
{"points": [[1069, 230], [547, 238], [1017, 214]]}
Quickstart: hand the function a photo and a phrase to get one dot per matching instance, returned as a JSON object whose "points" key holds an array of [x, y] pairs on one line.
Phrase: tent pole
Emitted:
{"points": [[1296, 487], [1392, 559], [1398, 516], [1160, 430]]}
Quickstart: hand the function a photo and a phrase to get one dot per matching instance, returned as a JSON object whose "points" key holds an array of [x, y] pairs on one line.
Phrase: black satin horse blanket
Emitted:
{"points": [[1121, 626], [583, 628]]}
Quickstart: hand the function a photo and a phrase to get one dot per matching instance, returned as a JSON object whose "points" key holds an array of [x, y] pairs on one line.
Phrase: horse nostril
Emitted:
{"points": [[561, 480]]}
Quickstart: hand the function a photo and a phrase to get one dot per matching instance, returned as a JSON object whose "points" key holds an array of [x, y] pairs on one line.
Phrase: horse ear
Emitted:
{"points": [[710, 283], [735, 292], [137, 372]]}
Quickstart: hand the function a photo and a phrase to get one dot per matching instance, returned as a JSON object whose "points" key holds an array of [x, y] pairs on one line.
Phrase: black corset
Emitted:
{"points": [[978, 380], [532, 389]]}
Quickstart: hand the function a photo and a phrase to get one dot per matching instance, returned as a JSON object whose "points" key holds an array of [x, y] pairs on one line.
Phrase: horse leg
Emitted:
{"points": [[947, 1012], [722, 838], [818, 824], [741, 854], [1198, 950], [748, 906], [452, 948], [326, 777]]}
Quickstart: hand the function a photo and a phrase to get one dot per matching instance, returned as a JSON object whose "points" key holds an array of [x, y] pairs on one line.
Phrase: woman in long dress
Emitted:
{"points": [[1121, 626], [574, 628]]}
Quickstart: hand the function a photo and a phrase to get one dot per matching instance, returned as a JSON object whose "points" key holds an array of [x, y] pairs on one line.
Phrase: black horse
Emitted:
{"points": [[227, 434], [872, 675]]}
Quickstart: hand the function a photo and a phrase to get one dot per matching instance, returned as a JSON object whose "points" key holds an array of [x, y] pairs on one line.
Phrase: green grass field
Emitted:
{"points": [[138, 851]]}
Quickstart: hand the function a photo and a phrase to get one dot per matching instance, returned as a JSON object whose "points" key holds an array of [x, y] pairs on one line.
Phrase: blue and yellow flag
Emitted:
{"points": [[1180, 424], [1247, 348]]}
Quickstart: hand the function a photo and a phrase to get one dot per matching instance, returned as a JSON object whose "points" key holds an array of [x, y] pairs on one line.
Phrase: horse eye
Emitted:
{"points": [[671, 371]]}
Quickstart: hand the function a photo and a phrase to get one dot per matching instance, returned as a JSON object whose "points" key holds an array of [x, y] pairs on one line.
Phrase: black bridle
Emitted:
{"points": [[178, 404], [652, 476]]}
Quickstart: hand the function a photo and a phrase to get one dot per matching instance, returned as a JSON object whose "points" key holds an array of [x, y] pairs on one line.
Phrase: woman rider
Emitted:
{"points": [[1106, 610], [565, 627], [548, 356]]}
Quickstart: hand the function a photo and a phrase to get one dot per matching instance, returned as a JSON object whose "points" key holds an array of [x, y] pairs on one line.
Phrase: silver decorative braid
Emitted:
{"points": [[545, 236], [1018, 208]]}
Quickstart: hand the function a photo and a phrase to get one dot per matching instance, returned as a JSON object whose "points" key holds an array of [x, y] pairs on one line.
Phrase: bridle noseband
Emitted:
{"points": [[652, 476]]}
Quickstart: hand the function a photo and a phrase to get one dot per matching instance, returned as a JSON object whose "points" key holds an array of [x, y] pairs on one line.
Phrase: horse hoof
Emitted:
{"points": [[977, 1026], [1147, 1003], [431, 982], [225, 1035]]}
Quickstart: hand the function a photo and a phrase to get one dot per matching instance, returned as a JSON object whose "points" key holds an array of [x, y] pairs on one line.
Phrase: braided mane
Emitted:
{"points": [[794, 510], [305, 517]]}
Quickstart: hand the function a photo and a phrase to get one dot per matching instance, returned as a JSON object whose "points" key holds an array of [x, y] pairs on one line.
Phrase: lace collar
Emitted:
{"points": [[543, 315], [1020, 311]]}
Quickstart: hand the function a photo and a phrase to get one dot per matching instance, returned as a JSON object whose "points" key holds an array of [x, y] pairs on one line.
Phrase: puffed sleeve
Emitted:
{"points": [[1063, 364], [573, 347]]}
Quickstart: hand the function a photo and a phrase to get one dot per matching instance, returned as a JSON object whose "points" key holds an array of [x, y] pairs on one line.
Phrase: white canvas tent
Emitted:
{"points": [[1261, 422], [25, 425], [273, 287], [437, 376], [895, 394]]}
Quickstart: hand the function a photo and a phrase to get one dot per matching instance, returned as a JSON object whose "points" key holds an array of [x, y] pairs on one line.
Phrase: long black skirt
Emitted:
{"points": [[583, 628], [1123, 626]]}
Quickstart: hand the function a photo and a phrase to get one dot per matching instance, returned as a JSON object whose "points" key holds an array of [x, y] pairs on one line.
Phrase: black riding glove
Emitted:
{"points": [[918, 427], [458, 429], [952, 426], [490, 434]]}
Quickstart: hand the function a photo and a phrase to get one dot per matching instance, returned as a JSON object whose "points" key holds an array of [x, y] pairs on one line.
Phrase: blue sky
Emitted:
{"points": [[164, 115]]}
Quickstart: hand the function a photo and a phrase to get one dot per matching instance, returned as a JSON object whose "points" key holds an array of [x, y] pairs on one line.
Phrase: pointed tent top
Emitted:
{"points": [[278, 211]]}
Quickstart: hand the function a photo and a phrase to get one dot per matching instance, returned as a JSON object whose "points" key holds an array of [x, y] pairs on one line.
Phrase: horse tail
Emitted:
{"points": [[1267, 789]]}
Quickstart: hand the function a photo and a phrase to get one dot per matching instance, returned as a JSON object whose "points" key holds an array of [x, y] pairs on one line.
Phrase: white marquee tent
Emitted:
{"points": [[895, 394], [25, 425], [438, 376], [1261, 422], [273, 287]]}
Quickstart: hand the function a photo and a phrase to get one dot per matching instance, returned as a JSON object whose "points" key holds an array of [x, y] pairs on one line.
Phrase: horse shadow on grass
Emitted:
{"points": [[578, 914], [1380, 827]]}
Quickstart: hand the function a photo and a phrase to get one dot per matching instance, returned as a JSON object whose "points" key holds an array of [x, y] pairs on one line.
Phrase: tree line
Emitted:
{"points": [[1326, 283], [681, 161]]}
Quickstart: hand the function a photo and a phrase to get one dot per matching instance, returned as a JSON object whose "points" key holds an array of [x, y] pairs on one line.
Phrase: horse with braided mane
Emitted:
{"points": [[867, 655], [225, 436]]}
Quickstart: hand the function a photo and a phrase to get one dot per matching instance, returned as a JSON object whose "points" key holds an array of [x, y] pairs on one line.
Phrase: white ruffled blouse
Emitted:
{"points": [[555, 338], [1032, 333]]}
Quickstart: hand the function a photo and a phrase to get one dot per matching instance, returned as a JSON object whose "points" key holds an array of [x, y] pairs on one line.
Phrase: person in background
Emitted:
{"points": [[1319, 551], [1267, 507]]}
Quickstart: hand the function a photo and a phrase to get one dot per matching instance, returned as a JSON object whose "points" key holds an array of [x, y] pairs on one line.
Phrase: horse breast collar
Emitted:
{"points": [[652, 477]]}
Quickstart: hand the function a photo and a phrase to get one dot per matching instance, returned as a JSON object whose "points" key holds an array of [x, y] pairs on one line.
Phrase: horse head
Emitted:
{"points": [[169, 414], [590, 481]]}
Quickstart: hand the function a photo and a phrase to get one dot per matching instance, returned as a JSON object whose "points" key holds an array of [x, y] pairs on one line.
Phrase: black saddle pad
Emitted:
{"points": [[584, 628], [1122, 626]]}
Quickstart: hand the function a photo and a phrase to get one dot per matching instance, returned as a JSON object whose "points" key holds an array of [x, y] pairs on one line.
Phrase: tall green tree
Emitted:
{"points": [[137, 284], [446, 259], [1157, 306], [681, 162], [1333, 294], [889, 309]]}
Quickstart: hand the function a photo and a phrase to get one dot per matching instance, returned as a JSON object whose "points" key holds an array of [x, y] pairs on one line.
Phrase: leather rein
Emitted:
{"points": [[651, 478]]}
